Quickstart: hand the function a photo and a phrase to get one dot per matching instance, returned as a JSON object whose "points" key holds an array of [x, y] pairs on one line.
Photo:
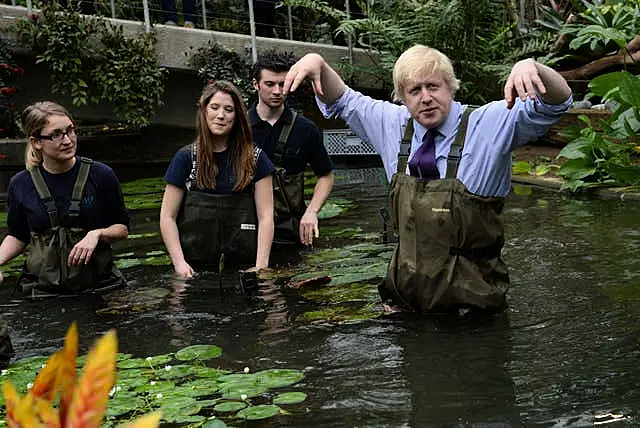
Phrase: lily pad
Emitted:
{"points": [[209, 373], [290, 398], [262, 411], [276, 378], [175, 372], [198, 352], [235, 391], [198, 388], [134, 363], [156, 387], [214, 423], [229, 406], [122, 404]]}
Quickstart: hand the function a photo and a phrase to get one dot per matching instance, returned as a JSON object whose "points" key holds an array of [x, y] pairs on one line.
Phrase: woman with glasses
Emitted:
{"points": [[218, 203], [65, 209]]}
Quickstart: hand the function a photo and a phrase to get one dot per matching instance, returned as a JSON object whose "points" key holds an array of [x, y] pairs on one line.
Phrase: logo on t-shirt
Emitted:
{"points": [[88, 201]]}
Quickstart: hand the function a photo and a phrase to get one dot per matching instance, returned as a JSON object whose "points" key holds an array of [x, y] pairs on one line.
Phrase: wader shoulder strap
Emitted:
{"points": [[284, 137], [455, 152], [78, 189], [405, 147], [45, 195], [194, 165], [256, 154]]}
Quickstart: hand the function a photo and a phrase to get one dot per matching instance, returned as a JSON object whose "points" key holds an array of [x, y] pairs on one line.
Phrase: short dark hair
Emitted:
{"points": [[273, 60]]}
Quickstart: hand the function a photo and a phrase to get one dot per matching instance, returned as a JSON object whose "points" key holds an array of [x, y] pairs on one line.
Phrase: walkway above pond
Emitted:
{"points": [[174, 42]]}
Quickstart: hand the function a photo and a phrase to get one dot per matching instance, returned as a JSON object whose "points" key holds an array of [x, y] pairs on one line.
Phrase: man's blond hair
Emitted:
{"points": [[420, 60]]}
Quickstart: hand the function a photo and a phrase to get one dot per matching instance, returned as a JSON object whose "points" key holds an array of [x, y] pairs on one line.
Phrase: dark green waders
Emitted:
{"points": [[288, 193], [210, 225], [46, 269], [449, 241]]}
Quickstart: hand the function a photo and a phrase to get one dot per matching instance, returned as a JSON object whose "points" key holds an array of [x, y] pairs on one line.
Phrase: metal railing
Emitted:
{"points": [[252, 21]]}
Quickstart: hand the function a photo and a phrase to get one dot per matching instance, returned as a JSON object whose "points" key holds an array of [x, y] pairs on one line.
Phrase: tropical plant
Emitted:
{"points": [[617, 23], [127, 75], [464, 30], [9, 72], [215, 62], [91, 60], [606, 157]]}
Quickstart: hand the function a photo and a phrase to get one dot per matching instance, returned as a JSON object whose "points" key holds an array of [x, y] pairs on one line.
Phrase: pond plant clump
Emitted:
{"points": [[178, 388]]}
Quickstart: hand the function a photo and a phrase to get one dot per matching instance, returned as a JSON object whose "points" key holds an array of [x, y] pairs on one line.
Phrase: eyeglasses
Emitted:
{"points": [[58, 135]]}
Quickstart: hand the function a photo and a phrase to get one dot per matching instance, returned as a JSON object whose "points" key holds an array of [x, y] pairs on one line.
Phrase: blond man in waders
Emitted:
{"points": [[449, 167]]}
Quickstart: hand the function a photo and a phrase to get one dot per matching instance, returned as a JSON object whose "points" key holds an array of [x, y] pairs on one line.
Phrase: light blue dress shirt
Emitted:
{"points": [[492, 134]]}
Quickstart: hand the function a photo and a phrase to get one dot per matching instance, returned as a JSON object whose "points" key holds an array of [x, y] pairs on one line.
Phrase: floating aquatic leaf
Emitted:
{"points": [[199, 352], [175, 372], [235, 391], [209, 373], [124, 403], [156, 387], [178, 418], [208, 403], [238, 378], [214, 423], [276, 378], [230, 406], [197, 388], [154, 361], [290, 398], [173, 407], [262, 411]]}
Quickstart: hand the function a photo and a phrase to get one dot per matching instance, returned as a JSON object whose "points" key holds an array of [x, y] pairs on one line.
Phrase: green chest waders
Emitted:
{"points": [[46, 268], [449, 240], [210, 225], [288, 193]]}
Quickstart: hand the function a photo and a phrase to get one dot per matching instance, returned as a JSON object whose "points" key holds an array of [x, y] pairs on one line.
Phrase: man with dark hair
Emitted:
{"points": [[291, 141]]}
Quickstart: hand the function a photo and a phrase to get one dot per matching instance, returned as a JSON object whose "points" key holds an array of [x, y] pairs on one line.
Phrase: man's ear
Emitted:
{"points": [[255, 84]]}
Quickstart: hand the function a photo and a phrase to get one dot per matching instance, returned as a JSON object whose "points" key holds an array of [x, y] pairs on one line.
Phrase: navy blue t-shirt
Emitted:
{"points": [[304, 145], [102, 204], [182, 163]]}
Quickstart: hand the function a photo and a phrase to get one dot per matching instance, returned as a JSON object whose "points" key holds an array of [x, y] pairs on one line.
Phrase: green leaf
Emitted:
{"points": [[199, 352], [577, 149], [276, 378], [541, 170], [603, 84], [290, 398], [576, 169], [630, 89], [230, 406], [521, 168], [214, 423], [262, 411]]}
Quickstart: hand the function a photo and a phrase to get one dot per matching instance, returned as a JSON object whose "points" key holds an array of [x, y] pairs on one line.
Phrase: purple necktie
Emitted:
{"points": [[423, 163]]}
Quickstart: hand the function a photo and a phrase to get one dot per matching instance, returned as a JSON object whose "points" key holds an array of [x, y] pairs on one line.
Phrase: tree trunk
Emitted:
{"points": [[629, 55]]}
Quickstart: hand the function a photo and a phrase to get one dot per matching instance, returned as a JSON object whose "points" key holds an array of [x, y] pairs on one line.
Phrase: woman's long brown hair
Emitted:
{"points": [[239, 140]]}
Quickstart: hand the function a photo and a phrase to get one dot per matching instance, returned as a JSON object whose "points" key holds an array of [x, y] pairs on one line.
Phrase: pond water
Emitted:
{"points": [[565, 354]]}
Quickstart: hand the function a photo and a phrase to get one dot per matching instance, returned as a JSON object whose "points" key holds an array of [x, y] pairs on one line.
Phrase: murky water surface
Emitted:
{"points": [[565, 354]]}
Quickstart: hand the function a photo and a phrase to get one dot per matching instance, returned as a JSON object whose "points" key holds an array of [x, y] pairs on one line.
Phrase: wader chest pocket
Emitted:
{"points": [[210, 225]]}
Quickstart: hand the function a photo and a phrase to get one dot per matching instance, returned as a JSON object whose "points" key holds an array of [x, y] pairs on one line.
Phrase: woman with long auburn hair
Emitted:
{"points": [[218, 199]]}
